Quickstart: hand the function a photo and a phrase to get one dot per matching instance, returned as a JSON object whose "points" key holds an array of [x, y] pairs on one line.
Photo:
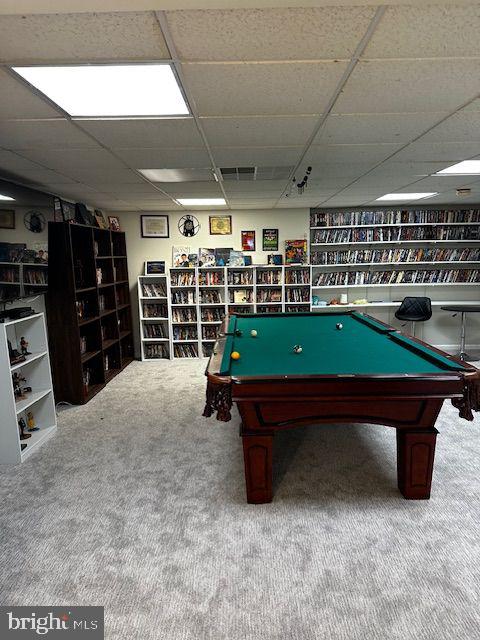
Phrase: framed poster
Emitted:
{"points": [[114, 223], [220, 225], [154, 267], [7, 219], [270, 240], [154, 226], [295, 251], [100, 219], [248, 240]]}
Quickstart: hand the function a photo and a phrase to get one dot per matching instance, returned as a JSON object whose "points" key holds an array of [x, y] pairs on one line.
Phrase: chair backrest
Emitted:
{"points": [[414, 309]]}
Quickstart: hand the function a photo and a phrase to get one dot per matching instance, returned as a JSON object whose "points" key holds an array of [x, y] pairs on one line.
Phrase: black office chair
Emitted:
{"points": [[414, 310]]}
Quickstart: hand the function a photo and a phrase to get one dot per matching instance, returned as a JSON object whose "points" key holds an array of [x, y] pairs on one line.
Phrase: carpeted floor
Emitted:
{"points": [[138, 504]]}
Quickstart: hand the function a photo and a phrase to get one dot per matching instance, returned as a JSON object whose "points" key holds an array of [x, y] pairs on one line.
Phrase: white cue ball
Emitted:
{"points": [[253, 333], [339, 326]]}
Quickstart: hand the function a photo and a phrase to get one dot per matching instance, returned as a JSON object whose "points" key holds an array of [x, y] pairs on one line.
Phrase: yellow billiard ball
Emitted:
{"points": [[235, 355]]}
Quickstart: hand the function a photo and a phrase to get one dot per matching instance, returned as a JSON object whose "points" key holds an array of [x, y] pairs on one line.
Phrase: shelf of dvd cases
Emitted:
{"points": [[154, 313]]}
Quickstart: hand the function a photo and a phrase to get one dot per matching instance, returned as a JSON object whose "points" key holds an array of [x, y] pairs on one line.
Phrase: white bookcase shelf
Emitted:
{"points": [[155, 331], [39, 401]]}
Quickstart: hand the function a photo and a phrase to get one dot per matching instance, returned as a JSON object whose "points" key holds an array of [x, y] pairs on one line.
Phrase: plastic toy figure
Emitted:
{"points": [[31, 422], [22, 426], [14, 355], [19, 390], [24, 347]]}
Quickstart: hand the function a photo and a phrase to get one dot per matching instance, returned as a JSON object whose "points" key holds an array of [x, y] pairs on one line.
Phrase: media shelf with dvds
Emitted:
{"points": [[155, 315]]}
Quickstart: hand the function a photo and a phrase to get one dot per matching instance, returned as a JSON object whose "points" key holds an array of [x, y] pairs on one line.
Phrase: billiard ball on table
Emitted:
{"points": [[297, 349], [339, 326]]}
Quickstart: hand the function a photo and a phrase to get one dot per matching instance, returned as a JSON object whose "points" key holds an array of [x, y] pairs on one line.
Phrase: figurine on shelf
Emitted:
{"points": [[23, 426], [14, 355], [31, 422], [24, 347], [19, 390]]}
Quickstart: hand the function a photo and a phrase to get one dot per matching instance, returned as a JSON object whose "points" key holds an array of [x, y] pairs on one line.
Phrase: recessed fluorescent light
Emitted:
{"points": [[178, 175], [465, 168], [99, 90], [406, 196], [201, 202], [2, 197]]}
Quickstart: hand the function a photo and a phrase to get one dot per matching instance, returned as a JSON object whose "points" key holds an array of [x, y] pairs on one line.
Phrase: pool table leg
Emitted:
{"points": [[257, 457], [415, 455]]}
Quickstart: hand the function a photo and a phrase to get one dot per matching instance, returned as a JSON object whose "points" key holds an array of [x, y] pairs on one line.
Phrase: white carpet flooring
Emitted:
{"points": [[138, 504]]}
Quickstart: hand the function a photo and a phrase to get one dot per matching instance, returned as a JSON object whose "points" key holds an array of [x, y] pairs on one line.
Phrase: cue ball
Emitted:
{"points": [[235, 355], [253, 333], [297, 349], [339, 325]]}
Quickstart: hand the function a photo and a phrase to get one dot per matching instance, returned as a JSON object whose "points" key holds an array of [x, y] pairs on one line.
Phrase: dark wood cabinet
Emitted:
{"points": [[88, 306]]}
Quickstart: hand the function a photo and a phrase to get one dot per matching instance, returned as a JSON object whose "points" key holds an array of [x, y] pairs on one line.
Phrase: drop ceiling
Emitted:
{"points": [[375, 98]]}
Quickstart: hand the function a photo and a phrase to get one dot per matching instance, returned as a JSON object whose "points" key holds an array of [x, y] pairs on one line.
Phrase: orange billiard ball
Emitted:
{"points": [[235, 355]]}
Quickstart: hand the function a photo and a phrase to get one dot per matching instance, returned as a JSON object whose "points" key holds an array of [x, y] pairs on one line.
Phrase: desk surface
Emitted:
{"points": [[363, 346], [462, 308]]}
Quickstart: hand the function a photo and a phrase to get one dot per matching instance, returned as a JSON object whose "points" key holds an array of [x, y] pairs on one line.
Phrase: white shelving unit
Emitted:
{"points": [[40, 401], [155, 331], [25, 278]]}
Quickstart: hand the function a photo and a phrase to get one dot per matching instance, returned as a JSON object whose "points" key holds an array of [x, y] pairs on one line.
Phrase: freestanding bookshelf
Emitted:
{"points": [[37, 402], [89, 313]]}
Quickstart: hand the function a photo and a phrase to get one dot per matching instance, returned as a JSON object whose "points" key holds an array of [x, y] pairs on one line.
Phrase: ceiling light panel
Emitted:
{"points": [[201, 202], [178, 175], [135, 90], [405, 196], [2, 197], [465, 168]]}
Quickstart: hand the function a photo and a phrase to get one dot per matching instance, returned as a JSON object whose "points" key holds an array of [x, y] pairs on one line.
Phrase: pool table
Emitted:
{"points": [[352, 368]]}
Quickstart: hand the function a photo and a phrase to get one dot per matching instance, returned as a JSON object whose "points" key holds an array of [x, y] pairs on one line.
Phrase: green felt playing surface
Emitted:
{"points": [[359, 348]]}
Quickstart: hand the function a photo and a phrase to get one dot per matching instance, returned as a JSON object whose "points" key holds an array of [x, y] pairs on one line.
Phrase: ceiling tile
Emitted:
{"points": [[258, 131], [75, 161], [426, 31], [411, 170], [81, 36], [161, 132], [256, 156], [261, 89], [463, 126], [42, 134], [19, 102], [438, 151], [14, 165], [192, 189], [349, 153], [379, 127], [403, 86], [165, 158], [269, 34]]}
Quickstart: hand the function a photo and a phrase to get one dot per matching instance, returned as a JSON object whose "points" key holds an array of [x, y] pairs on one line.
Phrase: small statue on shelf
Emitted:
{"points": [[23, 426], [19, 390], [14, 355], [24, 347], [31, 422]]}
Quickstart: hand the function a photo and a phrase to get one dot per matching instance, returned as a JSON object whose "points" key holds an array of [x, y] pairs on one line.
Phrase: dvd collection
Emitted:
{"points": [[269, 276], [434, 276], [297, 276], [154, 290], [182, 278], [156, 350], [395, 234], [153, 330], [185, 333], [421, 216], [184, 315], [155, 310], [411, 255]]}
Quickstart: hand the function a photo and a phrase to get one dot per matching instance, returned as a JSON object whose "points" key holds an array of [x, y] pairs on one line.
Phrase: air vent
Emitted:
{"points": [[255, 173], [463, 192]]}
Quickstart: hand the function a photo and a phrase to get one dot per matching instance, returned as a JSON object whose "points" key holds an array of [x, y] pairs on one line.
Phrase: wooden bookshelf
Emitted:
{"points": [[88, 306]]}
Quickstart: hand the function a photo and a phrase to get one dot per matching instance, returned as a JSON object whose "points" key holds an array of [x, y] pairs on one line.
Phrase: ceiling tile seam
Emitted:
{"points": [[361, 46], [74, 123], [162, 20], [405, 146]]}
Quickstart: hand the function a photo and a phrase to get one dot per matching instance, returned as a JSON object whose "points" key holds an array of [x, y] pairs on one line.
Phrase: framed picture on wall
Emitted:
{"points": [[220, 225], [248, 240], [154, 267], [154, 226], [7, 219], [114, 223], [270, 240]]}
